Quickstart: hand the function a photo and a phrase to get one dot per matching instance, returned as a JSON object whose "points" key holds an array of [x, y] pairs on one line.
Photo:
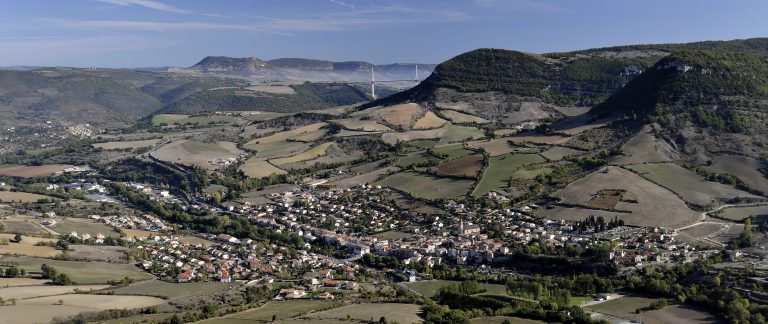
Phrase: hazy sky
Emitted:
{"points": [[145, 33]]}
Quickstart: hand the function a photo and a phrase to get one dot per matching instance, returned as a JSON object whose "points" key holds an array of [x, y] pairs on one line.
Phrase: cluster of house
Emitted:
{"points": [[144, 222], [152, 193], [227, 259]]}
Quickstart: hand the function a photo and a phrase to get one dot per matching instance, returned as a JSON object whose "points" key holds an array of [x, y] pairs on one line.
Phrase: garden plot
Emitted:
{"points": [[644, 202], [689, 185]]}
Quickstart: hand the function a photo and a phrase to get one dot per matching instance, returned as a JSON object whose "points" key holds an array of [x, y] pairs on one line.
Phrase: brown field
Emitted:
{"points": [[400, 116], [462, 118], [656, 206], [645, 147], [92, 302], [446, 134], [287, 135], [196, 153], [678, 314], [400, 313], [539, 139], [24, 292], [606, 199], [17, 282], [33, 171], [692, 187], [577, 125], [126, 144], [16, 196], [557, 153], [494, 147], [23, 225], [311, 136], [361, 125], [743, 167], [430, 120], [25, 314], [259, 168], [256, 131], [27, 247], [468, 166]]}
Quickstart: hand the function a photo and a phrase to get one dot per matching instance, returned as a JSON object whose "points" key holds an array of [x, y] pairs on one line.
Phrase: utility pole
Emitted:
{"points": [[417, 74]]}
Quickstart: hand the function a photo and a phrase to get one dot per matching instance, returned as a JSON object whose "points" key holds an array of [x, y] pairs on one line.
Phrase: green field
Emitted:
{"points": [[502, 167], [691, 187], [159, 119], [739, 213], [453, 151], [623, 307], [84, 272], [281, 309], [393, 235], [164, 289], [137, 319], [83, 226], [416, 158], [431, 287], [426, 186]]}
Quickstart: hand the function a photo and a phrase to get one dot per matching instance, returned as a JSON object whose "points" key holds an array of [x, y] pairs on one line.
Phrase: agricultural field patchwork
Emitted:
{"points": [[740, 213], [689, 185], [644, 147], [310, 154], [623, 307], [644, 202], [468, 166], [445, 134], [361, 125], [279, 309], [122, 145], [462, 118]]}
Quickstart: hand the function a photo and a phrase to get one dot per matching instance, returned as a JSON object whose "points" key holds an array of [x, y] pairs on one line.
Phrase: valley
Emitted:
{"points": [[506, 186]]}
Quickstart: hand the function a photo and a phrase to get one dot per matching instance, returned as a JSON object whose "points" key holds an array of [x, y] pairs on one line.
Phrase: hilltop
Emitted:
{"points": [[304, 69]]}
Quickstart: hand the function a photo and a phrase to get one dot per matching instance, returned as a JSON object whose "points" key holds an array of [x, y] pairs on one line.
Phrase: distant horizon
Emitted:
{"points": [[354, 60], [178, 33]]}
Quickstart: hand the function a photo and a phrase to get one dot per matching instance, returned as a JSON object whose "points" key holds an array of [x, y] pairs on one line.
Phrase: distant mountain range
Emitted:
{"points": [[307, 69]]}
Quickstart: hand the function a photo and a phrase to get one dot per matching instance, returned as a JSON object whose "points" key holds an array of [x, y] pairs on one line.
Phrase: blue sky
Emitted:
{"points": [[144, 33]]}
